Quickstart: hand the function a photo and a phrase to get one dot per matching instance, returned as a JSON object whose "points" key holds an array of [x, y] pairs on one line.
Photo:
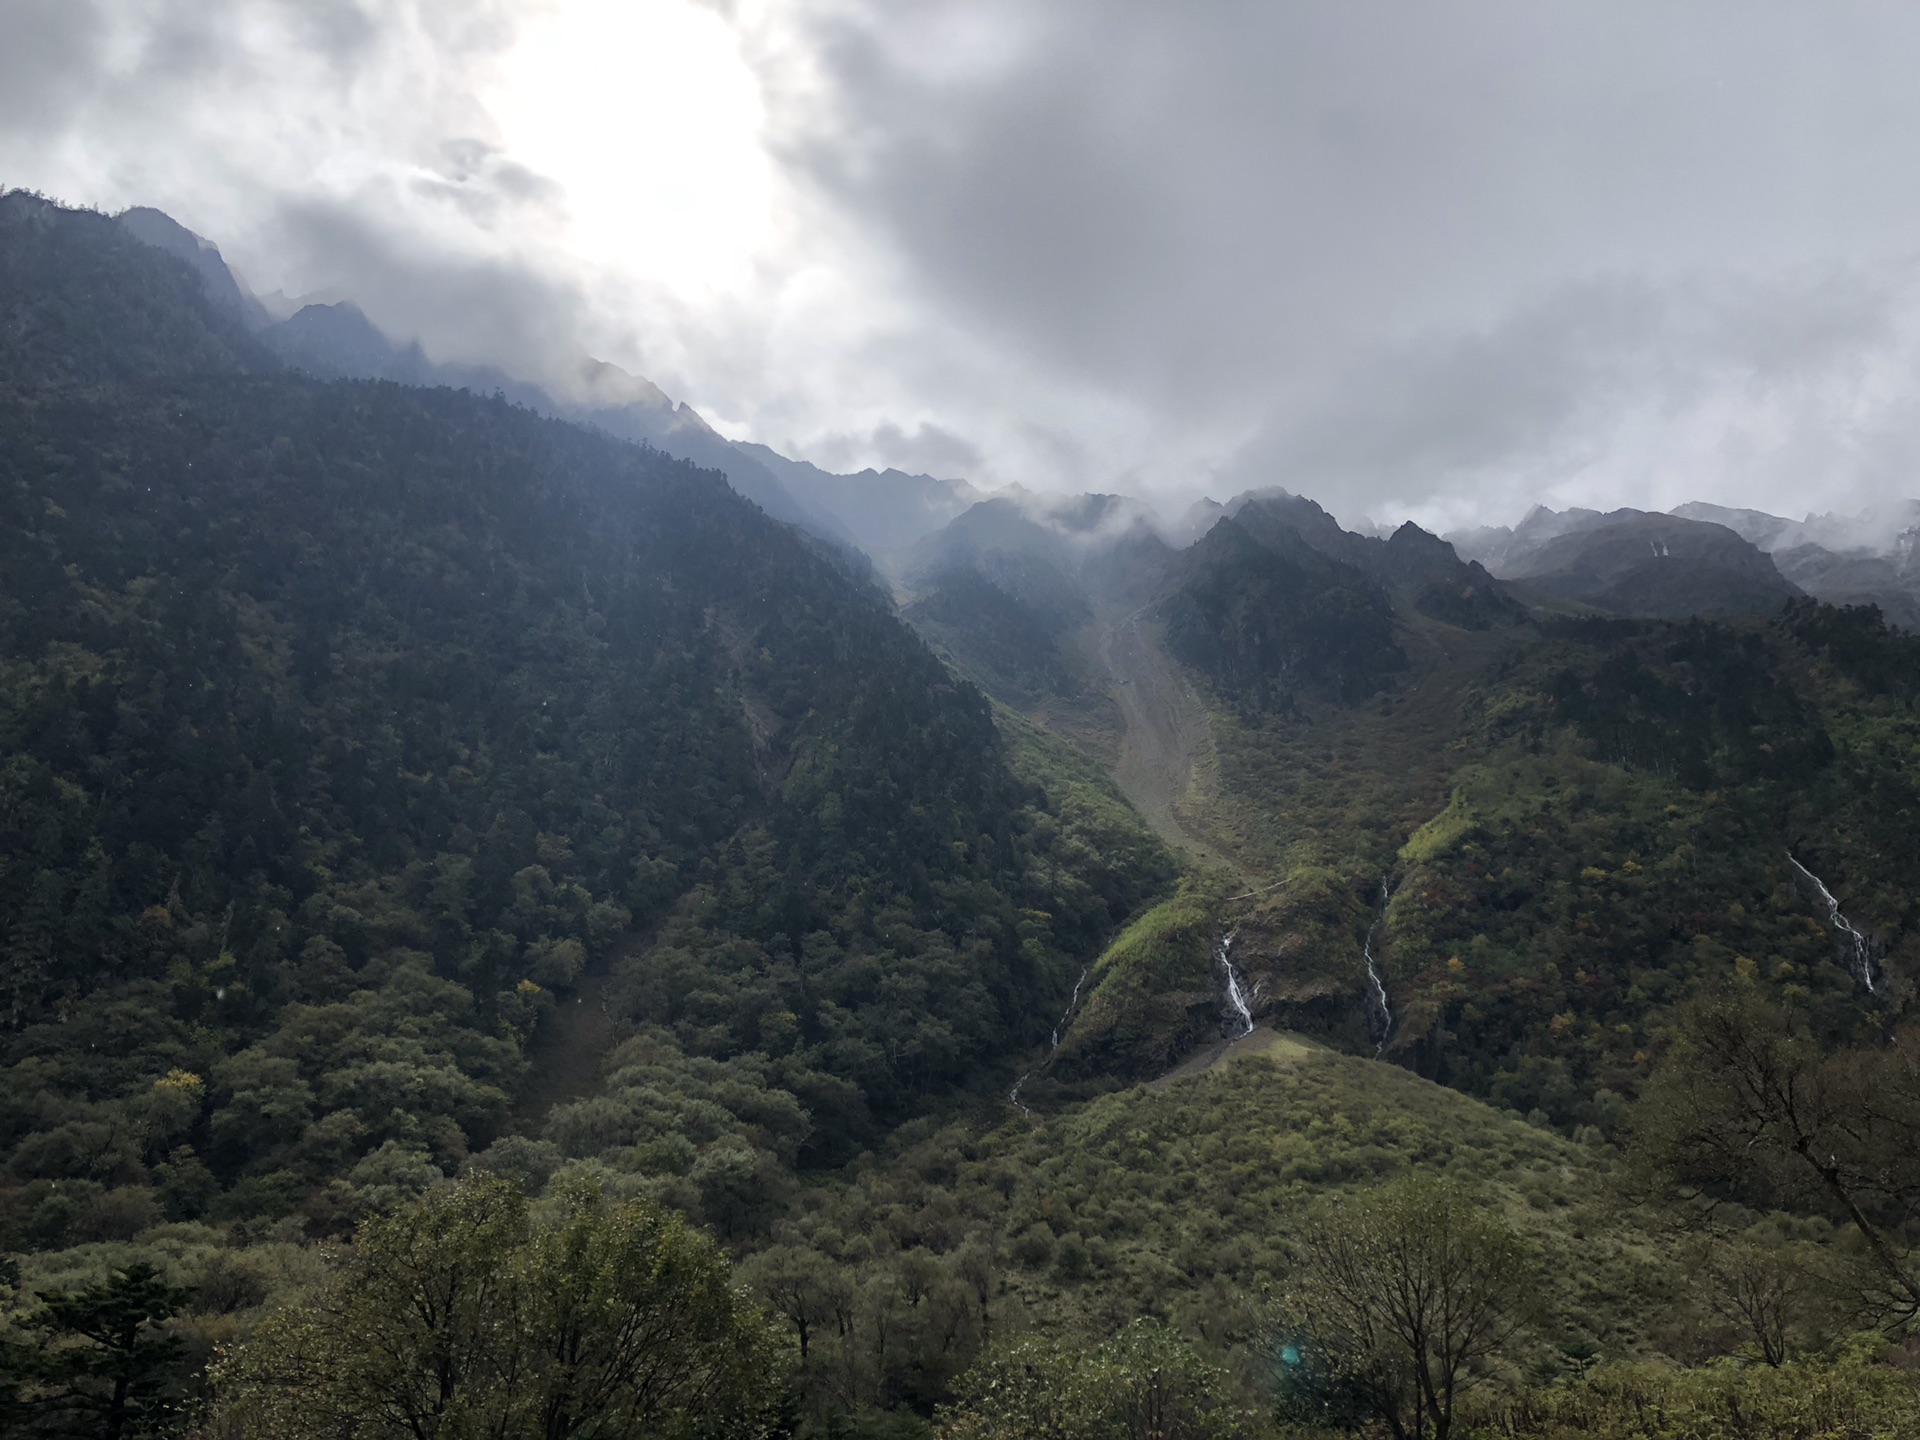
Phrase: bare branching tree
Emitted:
{"points": [[1759, 1289], [1404, 1295], [1749, 1110]]}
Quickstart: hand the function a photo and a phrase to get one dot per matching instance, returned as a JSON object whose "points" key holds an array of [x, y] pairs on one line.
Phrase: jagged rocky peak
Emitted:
{"points": [[1196, 520], [1498, 547], [1416, 553], [1408, 556], [1763, 530], [163, 232], [1277, 506], [1876, 530], [1267, 614], [1070, 528]]}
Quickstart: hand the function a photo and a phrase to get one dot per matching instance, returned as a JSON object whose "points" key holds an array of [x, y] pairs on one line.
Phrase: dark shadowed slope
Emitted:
{"points": [[347, 725]]}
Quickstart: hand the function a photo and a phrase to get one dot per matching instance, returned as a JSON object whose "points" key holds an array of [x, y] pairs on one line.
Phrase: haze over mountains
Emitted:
{"points": [[1724, 560], [1101, 621], [1701, 559]]}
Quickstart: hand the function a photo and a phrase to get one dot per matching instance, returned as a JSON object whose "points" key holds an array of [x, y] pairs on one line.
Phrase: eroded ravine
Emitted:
{"points": [[1165, 728]]}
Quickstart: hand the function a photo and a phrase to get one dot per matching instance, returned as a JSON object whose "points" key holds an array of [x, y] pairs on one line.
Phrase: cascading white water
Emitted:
{"points": [[1379, 1004], [1236, 993], [1859, 947], [1066, 1017], [1067, 1014]]}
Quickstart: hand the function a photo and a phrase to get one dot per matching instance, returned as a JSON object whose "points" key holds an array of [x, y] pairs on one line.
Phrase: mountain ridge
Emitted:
{"points": [[335, 340], [887, 516]]}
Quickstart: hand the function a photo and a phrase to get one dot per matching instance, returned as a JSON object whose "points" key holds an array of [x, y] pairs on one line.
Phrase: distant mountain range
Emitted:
{"points": [[1044, 555], [1708, 559], [1035, 595]]}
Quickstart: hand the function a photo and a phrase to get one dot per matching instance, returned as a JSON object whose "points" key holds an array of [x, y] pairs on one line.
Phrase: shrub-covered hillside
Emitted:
{"points": [[1185, 1202]]}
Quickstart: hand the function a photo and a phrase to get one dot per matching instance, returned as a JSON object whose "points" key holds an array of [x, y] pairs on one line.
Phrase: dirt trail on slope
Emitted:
{"points": [[1165, 730], [566, 1052]]}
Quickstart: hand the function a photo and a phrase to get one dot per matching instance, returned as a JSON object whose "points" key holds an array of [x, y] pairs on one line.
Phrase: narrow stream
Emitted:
{"points": [[1378, 1003], [1072, 1002], [1860, 949], [1066, 1018], [1236, 993]]}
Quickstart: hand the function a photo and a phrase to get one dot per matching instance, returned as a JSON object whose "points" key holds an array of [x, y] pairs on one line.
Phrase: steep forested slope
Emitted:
{"points": [[1487, 840], [1541, 840], [346, 725]]}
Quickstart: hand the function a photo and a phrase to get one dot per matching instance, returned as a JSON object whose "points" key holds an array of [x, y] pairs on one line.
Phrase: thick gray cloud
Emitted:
{"points": [[1240, 181], [1619, 390], [89, 69], [926, 450], [1425, 260], [47, 63], [1420, 243]]}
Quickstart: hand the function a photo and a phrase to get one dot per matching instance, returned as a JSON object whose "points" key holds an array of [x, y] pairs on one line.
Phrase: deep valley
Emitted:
{"points": [[480, 872]]}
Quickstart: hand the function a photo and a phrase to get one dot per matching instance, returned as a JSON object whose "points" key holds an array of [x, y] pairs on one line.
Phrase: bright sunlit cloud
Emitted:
{"points": [[647, 116]]}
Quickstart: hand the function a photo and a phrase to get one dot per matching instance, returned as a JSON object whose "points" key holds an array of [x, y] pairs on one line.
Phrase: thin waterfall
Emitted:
{"points": [[1860, 949], [1378, 1003], [1067, 1014], [1236, 992], [1066, 1018]]}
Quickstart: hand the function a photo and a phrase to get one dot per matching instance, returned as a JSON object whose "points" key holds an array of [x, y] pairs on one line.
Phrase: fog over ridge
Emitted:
{"points": [[1414, 264]]}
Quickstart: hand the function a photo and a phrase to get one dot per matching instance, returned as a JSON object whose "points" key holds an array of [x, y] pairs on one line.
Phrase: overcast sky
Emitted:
{"points": [[1428, 260]]}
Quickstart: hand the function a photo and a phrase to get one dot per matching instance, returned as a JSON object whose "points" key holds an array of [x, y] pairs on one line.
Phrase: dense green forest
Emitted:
{"points": [[350, 730], [500, 937]]}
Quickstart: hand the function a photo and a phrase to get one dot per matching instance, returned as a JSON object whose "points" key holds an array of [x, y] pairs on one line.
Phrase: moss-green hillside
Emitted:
{"points": [[1183, 1201], [1551, 832]]}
